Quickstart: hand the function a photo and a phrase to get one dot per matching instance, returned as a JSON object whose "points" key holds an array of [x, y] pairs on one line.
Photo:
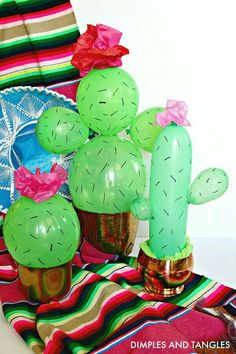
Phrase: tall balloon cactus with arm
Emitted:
{"points": [[170, 193], [166, 258]]}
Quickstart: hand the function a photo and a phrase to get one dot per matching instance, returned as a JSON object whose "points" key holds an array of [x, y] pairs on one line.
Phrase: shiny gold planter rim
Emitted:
{"points": [[165, 277], [109, 233]]}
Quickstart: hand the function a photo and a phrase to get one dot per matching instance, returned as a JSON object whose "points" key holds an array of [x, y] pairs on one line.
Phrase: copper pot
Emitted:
{"points": [[164, 277], [109, 233], [45, 284]]}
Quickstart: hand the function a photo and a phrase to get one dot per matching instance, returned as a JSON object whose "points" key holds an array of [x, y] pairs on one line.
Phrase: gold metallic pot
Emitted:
{"points": [[109, 233], [164, 277], [45, 284]]}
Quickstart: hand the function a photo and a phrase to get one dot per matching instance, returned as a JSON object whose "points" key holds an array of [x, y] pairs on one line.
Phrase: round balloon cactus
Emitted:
{"points": [[41, 230], [41, 235]]}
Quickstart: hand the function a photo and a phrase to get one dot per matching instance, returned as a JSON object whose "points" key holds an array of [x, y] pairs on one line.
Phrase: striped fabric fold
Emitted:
{"points": [[36, 42], [107, 308]]}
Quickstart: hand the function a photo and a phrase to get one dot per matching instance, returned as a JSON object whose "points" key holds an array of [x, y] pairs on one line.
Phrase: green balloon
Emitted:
{"points": [[106, 175], [41, 235], [141, 209], [209, 185], [61, 130], [107, 100], [169, 184], [142, 130]]}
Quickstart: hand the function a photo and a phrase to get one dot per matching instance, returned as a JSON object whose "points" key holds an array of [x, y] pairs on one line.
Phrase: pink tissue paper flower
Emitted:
{"points": [[175, 112], [40, 187], [98, 48]]}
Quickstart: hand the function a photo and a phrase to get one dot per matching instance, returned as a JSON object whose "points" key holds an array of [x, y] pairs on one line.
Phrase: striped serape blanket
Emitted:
{"points": [[108, 311], [36, 42]]}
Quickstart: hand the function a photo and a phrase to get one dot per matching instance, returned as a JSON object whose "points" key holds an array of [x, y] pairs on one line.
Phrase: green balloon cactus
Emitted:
{"points": [[170, 194], [41, 235], [107, 172], [41, 230]]}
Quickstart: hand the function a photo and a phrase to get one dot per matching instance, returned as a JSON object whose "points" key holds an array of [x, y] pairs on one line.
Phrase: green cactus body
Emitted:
{"points": [[106, 175], [41, 235], [107, 100], [169, 185]]}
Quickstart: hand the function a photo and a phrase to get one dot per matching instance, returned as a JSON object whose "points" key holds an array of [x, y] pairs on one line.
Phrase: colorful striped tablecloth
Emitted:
{"points": [[108, 311], [36, 42]]}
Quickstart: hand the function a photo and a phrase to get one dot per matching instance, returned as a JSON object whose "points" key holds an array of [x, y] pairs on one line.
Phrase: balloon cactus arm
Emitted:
{"points": [[143, 132], [209, 185], [141, 209], [61, 131]]}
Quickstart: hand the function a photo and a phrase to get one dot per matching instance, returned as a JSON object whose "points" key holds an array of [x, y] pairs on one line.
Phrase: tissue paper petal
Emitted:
{"points": [[175, 112], [39, 187], [98, 48]]}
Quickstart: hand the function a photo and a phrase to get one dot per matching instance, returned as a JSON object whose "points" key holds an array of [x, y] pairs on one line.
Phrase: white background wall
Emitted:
{"points": [[184, 49]]}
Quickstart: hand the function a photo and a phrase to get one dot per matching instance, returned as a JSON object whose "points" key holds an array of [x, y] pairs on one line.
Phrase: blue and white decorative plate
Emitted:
{"points": [[20, 108]]}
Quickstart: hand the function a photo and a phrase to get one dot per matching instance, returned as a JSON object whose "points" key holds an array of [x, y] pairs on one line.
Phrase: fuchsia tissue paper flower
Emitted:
{"points": [[40, 187], [98, 48], [175, 112]]}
